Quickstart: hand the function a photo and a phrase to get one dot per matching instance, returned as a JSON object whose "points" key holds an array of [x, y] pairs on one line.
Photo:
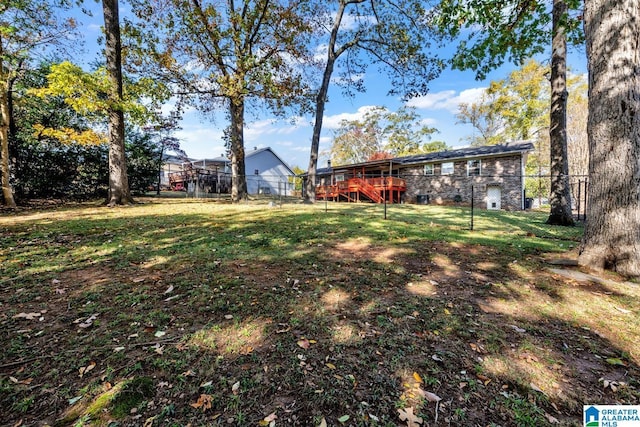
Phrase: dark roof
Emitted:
{"points": [[483, 151], [447, 155]]}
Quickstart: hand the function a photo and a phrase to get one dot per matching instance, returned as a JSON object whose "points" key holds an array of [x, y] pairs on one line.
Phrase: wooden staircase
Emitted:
{"points": [[375, 190]]}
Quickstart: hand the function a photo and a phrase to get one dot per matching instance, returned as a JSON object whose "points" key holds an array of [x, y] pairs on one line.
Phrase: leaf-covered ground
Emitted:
{"points": [[180, 312]]}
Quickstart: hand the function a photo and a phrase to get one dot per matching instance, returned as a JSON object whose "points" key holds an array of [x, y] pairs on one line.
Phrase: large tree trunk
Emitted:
{"points": [[7, 192], [238, 174], [119, 192], [612, 233], [560, 191]]}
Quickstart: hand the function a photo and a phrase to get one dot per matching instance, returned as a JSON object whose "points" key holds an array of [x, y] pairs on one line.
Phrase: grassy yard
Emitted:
{"points": [[176, 312]]}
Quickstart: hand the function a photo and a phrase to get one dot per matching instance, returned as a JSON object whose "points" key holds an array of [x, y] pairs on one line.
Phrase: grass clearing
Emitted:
{"points": [[220, 314]]}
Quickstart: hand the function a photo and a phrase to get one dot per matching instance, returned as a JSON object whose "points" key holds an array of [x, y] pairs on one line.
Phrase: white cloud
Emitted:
{"points": [[446, 100], [333, 122], [200, 141], [255, 130], [428, 121]]}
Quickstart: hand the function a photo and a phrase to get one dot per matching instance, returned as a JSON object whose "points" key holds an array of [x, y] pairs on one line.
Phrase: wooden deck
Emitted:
{"points": [[375, 190]]}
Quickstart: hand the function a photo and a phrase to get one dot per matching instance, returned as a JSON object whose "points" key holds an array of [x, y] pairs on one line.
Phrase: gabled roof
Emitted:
{"points": [[440, 156], [257, 151]]}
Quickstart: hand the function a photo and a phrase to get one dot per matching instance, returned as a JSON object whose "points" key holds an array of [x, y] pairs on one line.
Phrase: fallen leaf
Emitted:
{"points": [[323, 423], [269, 420], [534, 387], [235, 387], [160, 334], [330, 366], [518, 329], [87, 323], [477, 348], [417, 377], [622, 310], [118, 349], [228, 316], [28, 316], [551, 419], [204, 402], [485, 379], [206, 384], [74, 400], [343, 419], [169, 290], [83, 370], [411, 419], [18, 423], [304, 343], [615, 361], [149, 421], [432, 397], [437, 358]]}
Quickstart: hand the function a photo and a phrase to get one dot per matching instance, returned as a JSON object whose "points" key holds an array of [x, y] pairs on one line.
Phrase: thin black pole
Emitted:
{"points": [[384, 192], [472, 208]]}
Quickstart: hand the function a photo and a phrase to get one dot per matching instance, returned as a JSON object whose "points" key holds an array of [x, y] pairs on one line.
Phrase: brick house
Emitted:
{"points": [[495, 172]]}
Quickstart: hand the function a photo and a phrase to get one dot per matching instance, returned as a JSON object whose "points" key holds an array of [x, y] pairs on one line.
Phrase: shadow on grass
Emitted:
{"points": [[307, 315]]}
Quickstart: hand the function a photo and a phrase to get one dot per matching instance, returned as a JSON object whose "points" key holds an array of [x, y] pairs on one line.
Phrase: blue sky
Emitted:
{"points": [[201, 137]]}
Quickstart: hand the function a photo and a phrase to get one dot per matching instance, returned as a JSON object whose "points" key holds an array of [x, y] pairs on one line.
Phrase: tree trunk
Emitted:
{"points": [[321, 100], [612, 233], [7, 192], [119, 193], [238, 174], [560, 199]]}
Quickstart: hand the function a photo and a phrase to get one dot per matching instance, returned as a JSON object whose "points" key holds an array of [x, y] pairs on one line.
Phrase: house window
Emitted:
{"points": [[256, 172], [473, 167], [340, 178], [447, 168], [428, 169]]}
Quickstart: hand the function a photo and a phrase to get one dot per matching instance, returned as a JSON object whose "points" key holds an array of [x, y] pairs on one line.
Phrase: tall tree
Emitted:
{"points": [[560, 197], [612, 232], [119, 192], [381, 133], [483, 118], [226, 53], [513, 31], [26, 27], [394, 34]]}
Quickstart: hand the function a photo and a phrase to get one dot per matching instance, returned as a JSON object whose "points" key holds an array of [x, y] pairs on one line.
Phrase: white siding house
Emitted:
{"points": [[267, 173]]}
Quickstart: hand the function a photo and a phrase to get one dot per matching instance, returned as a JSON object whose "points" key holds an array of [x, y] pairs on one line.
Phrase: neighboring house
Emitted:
{"points": [[267, 173], [495, 173], [171, 164]]}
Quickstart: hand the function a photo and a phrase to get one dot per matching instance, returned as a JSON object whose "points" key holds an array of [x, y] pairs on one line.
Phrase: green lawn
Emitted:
{"points": [[178, 311]]}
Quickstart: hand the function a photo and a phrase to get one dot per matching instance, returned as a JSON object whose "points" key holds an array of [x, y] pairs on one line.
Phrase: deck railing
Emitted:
{"points": [[372, 188]]}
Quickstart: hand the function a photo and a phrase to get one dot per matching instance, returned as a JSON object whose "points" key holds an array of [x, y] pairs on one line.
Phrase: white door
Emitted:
{"points": [[494, 194]]}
